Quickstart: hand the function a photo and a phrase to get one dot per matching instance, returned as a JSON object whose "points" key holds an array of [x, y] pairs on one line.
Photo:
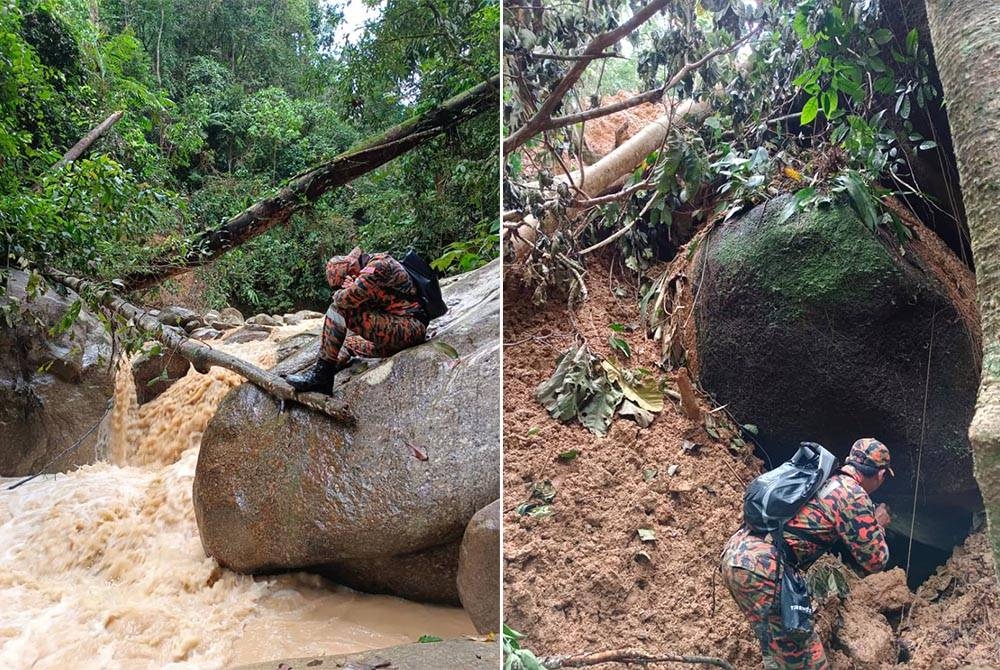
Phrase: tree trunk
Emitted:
{"points": [[966, 37], [201, 355], [306, 188], [77, 150]]}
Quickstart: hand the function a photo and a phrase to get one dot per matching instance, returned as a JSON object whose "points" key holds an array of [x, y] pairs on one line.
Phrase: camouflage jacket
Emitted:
{"points": [[841, 513], [383, 285]]}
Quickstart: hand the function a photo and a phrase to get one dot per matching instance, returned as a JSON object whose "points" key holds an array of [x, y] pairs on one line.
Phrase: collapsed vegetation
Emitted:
{"points": [[836, 103]]}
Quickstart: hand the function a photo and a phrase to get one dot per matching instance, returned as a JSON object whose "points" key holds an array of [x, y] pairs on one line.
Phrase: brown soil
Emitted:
{"points": [[572, 581]]}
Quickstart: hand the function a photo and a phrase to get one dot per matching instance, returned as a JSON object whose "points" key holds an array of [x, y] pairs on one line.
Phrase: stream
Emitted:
{"points": [[103, 568]]}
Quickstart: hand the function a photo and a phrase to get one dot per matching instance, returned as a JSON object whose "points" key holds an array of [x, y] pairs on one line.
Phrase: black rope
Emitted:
{"points": [[68, 449]]}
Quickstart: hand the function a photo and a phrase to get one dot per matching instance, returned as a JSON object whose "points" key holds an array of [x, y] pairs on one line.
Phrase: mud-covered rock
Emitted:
{"points": [[279, 486], [428, 575], [154, 373], [53, 389], [248, 333], [887, 591], [229, 317], [866, 637], [479, 569], [175, 315], [815, 328]]}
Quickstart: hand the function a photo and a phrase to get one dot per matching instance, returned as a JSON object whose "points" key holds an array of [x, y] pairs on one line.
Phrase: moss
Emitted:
{"points": [[816, 258]]}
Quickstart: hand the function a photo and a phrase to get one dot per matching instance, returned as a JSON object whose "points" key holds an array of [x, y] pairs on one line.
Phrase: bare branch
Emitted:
{"points": [[628, 656], [596, 46], [581, 57]]}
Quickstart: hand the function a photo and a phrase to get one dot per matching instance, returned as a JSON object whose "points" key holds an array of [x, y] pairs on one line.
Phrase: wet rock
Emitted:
{"points": [[866, 637], [52, 389], [428, 575], [479, 569], [229, 317], [816, 329], [248, 333], [885, 591], [447, 655], [155, 373], [175, 315], [206, 333], [210, 316], [300, 316], [265, 320], [286, 489]]}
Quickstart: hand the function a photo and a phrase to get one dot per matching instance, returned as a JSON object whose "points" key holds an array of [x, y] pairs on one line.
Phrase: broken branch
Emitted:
{"points": [[627, 656], [201, 355]]}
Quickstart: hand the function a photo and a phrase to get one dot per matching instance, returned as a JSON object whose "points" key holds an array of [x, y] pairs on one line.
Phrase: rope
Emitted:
{"points": [[68, 449], [920, 448]]}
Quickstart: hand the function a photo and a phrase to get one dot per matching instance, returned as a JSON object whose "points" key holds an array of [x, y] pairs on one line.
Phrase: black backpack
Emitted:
{"points": [[425, 280], [770, 502]]}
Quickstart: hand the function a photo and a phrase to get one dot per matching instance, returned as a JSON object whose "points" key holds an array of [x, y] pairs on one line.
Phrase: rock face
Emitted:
{"points": [[479, 569], [155, 373], [52, 390], [816, 329], [288, 489], [446, 655]]}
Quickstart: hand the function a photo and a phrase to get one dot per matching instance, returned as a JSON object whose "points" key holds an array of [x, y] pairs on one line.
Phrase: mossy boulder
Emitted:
{"points": [[815, 327]]}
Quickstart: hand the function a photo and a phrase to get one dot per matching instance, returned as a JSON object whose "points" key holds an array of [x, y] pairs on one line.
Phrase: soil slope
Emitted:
{"points": [[572, 581]]}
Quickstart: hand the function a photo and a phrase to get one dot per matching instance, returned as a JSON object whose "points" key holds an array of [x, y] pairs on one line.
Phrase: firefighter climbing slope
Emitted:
{"points": [[762, 563]]}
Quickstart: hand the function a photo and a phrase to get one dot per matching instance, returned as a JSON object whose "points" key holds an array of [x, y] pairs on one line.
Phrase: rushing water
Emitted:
{"points": [[103, 568]]}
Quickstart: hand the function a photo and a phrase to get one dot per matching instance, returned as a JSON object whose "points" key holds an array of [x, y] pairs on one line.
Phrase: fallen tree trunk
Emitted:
{"points": [[609, 170], [77, 150], [203, 356], [306, 188]]}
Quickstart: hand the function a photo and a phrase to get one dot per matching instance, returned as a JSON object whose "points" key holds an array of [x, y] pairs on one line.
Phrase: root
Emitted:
{"points": [[628, 656]]}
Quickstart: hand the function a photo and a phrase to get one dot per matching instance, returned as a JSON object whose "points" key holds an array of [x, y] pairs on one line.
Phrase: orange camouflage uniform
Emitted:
{"points": [[376, 316], [841, 512]]}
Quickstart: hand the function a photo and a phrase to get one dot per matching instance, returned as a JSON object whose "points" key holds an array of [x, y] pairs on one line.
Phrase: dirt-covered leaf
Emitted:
{"points": [[568, 455], [643, 389], [641, 416], [544, 491], [597, 413], [569, 387], [646, 534], [649, 474]]}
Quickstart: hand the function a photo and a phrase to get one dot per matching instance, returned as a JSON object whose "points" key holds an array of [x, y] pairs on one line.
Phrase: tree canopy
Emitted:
{"points": [[223, 103]]}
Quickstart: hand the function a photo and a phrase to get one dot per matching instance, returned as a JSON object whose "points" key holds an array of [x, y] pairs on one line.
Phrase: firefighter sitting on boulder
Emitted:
{"points": [[375, 301]]}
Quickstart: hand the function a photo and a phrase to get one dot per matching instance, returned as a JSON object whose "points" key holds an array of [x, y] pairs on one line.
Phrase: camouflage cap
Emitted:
{"points": [[870, 454]]}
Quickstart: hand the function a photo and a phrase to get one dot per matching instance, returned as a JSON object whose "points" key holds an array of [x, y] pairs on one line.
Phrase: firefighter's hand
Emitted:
{"points": [[347, 283], [882, 515]]}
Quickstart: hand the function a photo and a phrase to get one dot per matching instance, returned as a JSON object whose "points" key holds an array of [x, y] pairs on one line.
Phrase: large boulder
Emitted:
{"points": [[816, 328], [53, 389], [479, 569], [279, 486], [428, 575]]}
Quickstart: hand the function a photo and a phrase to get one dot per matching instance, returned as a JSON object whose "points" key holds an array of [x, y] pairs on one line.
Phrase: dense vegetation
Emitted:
{"points": [[823, 98], [222, 103]]}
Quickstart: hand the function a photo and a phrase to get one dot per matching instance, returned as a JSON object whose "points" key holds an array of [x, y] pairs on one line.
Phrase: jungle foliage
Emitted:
{"points": [[223, 102], [826, 99]]}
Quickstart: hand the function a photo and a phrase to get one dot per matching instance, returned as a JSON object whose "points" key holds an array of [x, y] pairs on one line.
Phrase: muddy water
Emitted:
{"points": [[102, 567]]}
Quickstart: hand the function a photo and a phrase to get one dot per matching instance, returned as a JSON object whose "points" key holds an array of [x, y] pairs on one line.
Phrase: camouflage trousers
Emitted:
{"points": [[754, 593], [366, 333]]}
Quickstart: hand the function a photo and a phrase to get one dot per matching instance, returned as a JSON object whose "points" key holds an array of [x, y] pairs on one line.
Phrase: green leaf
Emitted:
{"points": [[596, 414], [929, 144], [882, 36], [646, 535], [423, 639], [568, 455], [911, 41], [810, 111], [621, 346], [830, 100], [750, 428], [617, 327]]}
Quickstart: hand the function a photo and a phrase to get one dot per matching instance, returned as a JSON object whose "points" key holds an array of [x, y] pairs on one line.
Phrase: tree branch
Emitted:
{"points": [[627, 656], [304, 189], [596, 46], [203, 356]]}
